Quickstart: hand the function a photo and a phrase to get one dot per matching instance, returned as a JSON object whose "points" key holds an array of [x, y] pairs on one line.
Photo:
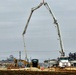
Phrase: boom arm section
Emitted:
{"points": [[58, 30], [32, 10]]}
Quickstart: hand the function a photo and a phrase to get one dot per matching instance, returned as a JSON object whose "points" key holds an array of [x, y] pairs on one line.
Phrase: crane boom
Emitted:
{"points": [[58, 29], [32, 10], [55, 22]]}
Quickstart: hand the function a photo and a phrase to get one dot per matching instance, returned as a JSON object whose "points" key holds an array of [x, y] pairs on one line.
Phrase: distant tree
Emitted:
{"points": [[72, 56], [11, 58]]}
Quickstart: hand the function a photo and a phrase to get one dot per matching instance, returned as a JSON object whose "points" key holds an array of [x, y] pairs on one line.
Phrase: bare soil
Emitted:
{"points": [[8, 72]]}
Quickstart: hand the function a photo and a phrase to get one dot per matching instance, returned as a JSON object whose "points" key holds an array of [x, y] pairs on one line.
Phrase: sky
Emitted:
{"points": [[41, 37]]}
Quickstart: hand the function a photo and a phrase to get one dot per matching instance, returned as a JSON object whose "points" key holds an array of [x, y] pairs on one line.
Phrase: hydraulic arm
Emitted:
{"points": [[58, 30], [55, 22], [32, 10]]}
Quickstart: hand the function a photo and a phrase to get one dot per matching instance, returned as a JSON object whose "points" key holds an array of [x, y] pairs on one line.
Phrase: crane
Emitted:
{"points": [[55, 22]]}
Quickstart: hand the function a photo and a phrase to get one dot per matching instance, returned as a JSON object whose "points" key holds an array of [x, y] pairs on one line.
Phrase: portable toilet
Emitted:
{"points": [[35, 62]]}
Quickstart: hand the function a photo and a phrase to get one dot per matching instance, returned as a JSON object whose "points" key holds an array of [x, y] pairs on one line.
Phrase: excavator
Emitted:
{"points": [[63, 60]]}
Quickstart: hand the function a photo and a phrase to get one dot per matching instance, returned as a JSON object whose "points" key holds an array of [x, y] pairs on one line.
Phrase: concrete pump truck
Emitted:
{"points": [[63, 61]]}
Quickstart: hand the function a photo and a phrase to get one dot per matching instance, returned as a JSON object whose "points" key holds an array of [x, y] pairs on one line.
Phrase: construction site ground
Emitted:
{"points": [[36, 71], [22, 72]]}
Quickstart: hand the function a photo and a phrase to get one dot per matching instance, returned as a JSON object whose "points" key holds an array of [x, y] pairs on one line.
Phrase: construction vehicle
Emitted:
{"points": [[62, 59], [64, 62]]}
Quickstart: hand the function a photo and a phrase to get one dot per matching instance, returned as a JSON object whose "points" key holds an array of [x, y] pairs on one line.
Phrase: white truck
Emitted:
{"points": [[64, 62]]}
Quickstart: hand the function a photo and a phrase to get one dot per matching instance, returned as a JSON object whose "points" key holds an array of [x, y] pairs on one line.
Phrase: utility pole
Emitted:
{"points": [[19, 58], [19, 55]]}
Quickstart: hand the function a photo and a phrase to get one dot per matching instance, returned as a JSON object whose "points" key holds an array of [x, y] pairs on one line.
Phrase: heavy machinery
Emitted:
{"points": [[62, 59]]}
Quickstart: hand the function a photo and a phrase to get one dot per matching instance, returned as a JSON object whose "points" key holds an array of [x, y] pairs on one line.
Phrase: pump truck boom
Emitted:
{"points": [[32, 10], [58, 30], [55, 22]]}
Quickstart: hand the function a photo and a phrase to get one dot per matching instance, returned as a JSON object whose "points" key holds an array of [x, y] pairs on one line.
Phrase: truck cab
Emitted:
{"points": [[64, 62]]}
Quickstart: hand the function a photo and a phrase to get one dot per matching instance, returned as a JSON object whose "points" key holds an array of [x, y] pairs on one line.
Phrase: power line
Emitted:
{"points": [[27, 51]]}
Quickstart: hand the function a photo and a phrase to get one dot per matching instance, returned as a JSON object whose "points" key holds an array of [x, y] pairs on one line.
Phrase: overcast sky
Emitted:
{"points": [[41, 37]]}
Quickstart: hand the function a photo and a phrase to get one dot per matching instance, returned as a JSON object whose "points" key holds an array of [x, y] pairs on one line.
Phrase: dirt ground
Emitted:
{"points": [[36, 73]]}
